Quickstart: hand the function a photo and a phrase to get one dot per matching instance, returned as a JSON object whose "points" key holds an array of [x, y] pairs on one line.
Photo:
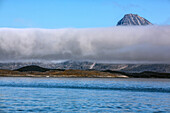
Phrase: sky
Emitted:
{"points": [[52, 14]]}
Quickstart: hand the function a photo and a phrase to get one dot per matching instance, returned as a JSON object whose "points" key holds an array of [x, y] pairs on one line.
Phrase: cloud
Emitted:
{"points": [[116, 44]]}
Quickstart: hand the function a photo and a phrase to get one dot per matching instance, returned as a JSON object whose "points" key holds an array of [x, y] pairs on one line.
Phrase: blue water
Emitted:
{"points": [[51, 95]]}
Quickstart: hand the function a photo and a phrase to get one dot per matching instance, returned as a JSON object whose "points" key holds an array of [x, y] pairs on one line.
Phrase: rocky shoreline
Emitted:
{"points": [[36, 71]]}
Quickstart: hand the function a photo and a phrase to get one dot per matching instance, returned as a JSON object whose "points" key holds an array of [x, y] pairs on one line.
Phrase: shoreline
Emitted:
{"points": [[86, 77], [38, 72], [62, 76]]}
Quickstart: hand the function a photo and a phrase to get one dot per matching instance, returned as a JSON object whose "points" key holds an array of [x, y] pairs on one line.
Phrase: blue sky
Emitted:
{"points": [[79, 13]]}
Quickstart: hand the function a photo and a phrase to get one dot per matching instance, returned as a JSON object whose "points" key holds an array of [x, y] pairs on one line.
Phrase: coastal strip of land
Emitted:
{"points": [[36, 71]]}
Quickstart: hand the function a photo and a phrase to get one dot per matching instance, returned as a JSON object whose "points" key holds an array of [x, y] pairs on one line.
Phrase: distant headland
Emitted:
{"points": [[37, 71]]}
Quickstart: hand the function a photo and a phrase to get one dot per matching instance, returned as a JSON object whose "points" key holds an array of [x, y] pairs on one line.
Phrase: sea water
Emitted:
{"points": [[74, 95]]}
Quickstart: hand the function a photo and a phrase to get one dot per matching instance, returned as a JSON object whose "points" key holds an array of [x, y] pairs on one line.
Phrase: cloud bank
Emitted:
{"points": [[116, 44]]}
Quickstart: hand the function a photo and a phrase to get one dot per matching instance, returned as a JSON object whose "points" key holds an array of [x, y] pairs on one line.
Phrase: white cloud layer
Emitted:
{"points": [[124, 44]]}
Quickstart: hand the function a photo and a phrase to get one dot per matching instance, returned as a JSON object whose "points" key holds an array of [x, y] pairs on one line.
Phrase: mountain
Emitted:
{"points": [[133, 19], [85, 65]]}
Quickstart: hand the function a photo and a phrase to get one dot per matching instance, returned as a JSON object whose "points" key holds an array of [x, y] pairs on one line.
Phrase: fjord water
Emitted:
{"points": [[22, 94]]}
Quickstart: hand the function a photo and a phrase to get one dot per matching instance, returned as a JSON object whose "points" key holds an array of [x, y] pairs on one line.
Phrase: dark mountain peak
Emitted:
{"points": [[133, 19], [130, 14]]}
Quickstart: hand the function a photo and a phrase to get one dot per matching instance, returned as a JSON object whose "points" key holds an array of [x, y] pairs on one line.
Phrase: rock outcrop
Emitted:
{"points": [[133, 19]]}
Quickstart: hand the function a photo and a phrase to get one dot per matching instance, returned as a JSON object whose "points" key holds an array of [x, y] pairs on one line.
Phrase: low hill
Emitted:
{"points": [[32, 68], [145, 74]]}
